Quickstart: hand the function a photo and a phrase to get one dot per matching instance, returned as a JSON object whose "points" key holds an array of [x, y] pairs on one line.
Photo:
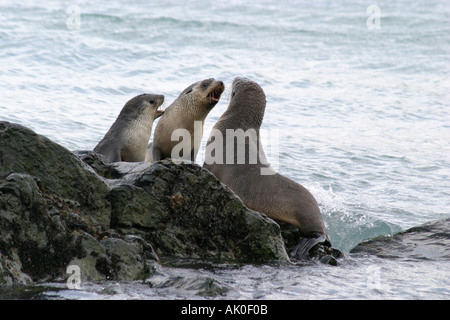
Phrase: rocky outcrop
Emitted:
{"points": [[42, 234], [60, 172], [430, 241], [185, 211], [115, 221]]}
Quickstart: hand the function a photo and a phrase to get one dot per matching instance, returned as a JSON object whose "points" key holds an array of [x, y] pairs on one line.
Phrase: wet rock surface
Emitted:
{"points": [[115, 221], [430, 241]]}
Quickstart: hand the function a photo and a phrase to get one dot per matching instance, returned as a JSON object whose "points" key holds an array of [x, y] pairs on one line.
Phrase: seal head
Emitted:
{"points": [[190, 108]]}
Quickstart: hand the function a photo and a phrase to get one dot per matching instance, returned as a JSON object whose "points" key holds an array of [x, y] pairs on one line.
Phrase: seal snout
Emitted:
{"points": [[159, 102], [216, 91]]}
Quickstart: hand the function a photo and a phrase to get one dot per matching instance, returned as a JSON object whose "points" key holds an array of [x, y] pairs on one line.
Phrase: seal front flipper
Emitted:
{"points": [[303, 246]]}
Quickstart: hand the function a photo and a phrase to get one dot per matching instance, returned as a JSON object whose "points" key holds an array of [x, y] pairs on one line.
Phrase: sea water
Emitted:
{"points": [[357, 111]]}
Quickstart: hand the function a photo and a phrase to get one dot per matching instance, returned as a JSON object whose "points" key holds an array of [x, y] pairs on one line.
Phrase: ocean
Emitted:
{"points": [[358, 98]]}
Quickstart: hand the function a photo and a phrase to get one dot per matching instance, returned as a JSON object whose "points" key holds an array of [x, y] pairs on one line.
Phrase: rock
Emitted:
{"points": [[203, 286], [92, 261], [430, 241], [54, 213], [130, 258], [39, 240], [11, 270], [133, 207], [59, 170], [34, 241], [323, 253], [184, 211], [99, 163], [111, 220]]}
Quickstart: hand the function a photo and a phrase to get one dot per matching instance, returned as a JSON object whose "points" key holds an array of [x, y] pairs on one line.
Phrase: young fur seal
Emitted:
{"points": [[187, 112], [128, 137], [270, 193]]}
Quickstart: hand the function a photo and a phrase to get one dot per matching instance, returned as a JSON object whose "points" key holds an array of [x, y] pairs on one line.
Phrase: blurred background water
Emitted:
{"points": [[357, 112]]}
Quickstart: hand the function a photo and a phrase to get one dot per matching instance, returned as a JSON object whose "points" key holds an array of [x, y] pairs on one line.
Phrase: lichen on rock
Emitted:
{"points": [[115, 221]]}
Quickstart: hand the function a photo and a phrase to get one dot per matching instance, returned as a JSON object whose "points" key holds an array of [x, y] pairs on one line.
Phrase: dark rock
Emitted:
{"points": [[133, 207], [199, 285], [54, 213], [36, 243], [321, 252], [184, 211], [57, 211], [39, 240], [429, 241], [59, 170], [132, 257], [99, 163]]}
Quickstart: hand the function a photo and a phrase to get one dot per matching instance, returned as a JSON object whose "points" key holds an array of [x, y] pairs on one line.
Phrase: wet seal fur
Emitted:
{"points": [[193, 104], [275, 195], [128, 137]]}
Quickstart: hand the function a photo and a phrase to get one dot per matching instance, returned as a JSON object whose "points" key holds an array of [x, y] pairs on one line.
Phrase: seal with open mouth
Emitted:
{"points": [[128, 137], [192, 106]]}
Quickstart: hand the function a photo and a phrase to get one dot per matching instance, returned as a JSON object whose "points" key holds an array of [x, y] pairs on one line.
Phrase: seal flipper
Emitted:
{"points": [[303, 246]]}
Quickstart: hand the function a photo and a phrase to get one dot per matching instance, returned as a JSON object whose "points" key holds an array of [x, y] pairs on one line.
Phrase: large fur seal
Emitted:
{"points": [[127, 139], [190, 108], [257, 184]]}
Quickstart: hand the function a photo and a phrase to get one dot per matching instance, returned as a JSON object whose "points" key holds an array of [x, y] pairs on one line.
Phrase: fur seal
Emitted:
{"points": [[275, 195], [128, 137], [191, 107]]}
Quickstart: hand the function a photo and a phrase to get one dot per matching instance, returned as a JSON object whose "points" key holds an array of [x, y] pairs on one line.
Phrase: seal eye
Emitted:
{"points": [[233, 94], [206, 84], [152, 101]]}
